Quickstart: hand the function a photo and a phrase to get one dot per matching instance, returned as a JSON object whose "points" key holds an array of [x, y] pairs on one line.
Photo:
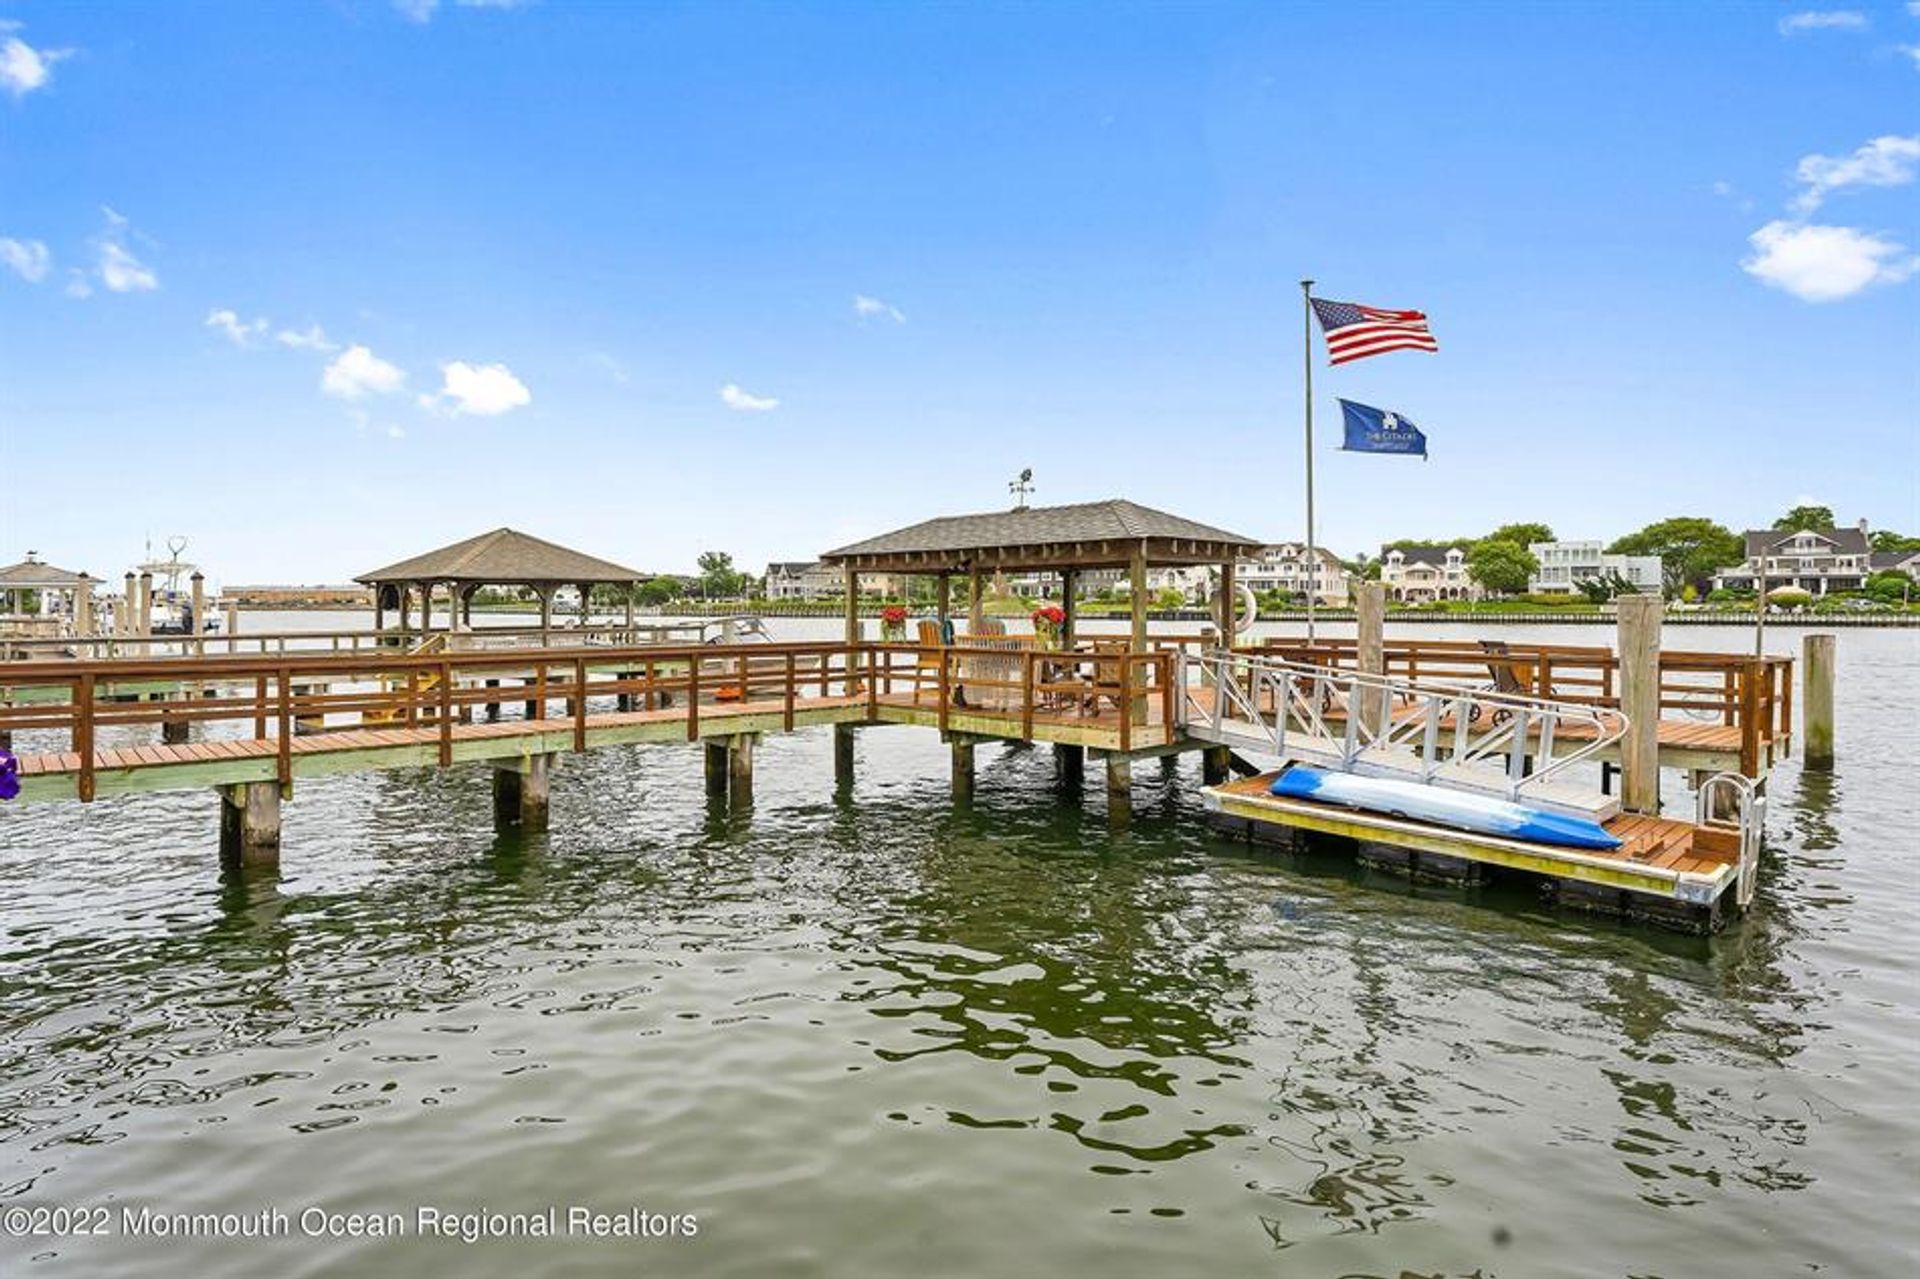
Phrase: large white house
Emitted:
{"points": [[1564, 565], [1422, 574], [812, 580], [1283, 567], [1814, 560]]}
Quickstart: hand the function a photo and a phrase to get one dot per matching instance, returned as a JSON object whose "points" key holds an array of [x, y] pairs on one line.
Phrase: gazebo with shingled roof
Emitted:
{"points": [[504, 557], [60, 591], [1068, 540]]}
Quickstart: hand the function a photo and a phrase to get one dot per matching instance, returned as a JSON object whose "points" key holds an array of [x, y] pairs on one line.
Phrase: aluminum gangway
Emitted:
{"points": [[1511, 746]]}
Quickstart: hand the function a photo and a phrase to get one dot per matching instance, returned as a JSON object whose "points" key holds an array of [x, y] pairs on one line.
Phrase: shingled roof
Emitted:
{"points": [[32, 575], [1083, 532], [503, 557]]}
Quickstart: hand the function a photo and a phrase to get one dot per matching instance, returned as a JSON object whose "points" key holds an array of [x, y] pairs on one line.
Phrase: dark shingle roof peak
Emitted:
{"points": [[503, 556], [1112, 520]]}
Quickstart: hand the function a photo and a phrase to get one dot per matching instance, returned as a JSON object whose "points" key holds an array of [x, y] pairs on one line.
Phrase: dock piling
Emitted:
{"points": [[1640, 618], [1071, 763], [1119, 790], [250, 824], [522, 793], [962, 749], [1216, 762], [843, 755], [716, 753], [1370, 615], [1816, 699], [740, 767]]}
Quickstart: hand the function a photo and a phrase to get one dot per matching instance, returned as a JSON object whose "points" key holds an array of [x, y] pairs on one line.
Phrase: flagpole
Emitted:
{"points": [[1306, 351]]}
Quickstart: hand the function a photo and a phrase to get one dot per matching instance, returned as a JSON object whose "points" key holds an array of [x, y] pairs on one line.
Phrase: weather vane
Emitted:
{"points": [[1020, 488]]}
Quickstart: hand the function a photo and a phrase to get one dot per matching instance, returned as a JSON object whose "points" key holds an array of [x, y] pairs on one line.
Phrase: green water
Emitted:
{"points": [[863, 1033]]}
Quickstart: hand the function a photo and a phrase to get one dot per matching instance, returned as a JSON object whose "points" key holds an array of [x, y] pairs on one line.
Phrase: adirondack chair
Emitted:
{"points": [[926, 668], [1512, 677]]}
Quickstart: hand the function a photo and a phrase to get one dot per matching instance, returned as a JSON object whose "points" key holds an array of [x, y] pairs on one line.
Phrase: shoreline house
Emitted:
{"points": [[1283, 567], [812, 580], [1423, 574], [1907, 562], [1817, 561], [1564, 565]]}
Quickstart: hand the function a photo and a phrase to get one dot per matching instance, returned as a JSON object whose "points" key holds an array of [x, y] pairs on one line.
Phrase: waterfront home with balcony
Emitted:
{"points": [[1283, 567], [1818, 561], [1423, 574], [1565, 565]]}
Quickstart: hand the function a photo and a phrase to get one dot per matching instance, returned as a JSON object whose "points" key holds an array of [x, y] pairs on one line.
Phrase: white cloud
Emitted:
{"points": [[1823, 20], [1825, 263], [236, 330], [312, 338], [77, 285], [1912, 51], [24, 68], [28, 259], [423, 10], [357, 371], [735, 398], [116, 266], [1888, 161], [873, 308], [477, 390]]}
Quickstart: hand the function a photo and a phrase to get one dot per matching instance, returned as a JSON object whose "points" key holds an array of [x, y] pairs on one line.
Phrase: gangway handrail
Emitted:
{"points": [[1508, 740]]}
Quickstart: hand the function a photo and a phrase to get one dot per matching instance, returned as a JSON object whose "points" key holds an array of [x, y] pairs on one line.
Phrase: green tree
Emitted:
{"points": [[1888, 540], [1521, 534], [1691, 549], [718, 578], [1818, 518], [1501, 567], [658, 591], [1890, 587]]}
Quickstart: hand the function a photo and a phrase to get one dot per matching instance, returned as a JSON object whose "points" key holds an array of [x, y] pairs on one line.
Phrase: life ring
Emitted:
{"points": [[1247, 610]]}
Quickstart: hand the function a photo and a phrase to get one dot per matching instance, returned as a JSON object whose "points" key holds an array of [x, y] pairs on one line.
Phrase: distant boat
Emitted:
{"points": [[172, 605], [1425, 803]]}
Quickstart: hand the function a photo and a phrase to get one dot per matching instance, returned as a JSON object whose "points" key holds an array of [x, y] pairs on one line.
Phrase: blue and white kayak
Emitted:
{"points": [[1482, 813]]}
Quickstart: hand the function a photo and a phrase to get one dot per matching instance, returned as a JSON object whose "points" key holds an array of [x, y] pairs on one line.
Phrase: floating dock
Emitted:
{"points": [[1674, 873]]}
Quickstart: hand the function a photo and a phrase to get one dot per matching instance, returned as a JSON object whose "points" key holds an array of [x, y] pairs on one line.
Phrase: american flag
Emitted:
{"points": [[1355, 332]]}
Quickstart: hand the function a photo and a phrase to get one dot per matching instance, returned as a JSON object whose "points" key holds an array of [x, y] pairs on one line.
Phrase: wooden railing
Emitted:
{"points": [[562, 633], [84, 706]]}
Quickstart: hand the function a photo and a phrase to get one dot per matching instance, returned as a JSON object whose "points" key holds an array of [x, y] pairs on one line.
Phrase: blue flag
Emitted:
{"points": [[1371, 430]]}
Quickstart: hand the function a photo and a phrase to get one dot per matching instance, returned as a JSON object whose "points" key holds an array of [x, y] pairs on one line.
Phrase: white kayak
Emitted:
{"points": [[1481, 813]]}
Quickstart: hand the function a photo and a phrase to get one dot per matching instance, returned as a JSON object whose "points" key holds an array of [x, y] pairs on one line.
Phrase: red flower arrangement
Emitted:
{"points": [[894, 615], [1050, 615]]}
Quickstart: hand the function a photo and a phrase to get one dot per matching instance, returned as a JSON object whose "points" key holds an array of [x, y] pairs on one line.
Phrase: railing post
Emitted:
{"points": [[284, 728], [1126, 702], [579, 704], [1028, 660], [946, 677], [83, 736], [693, 698], [786, 717]]}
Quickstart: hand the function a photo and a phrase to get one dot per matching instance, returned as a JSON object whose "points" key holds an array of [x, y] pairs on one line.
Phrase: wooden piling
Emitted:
{"points": [[1071, 761], [962, 751], [1639, 631], [197, 623], [1816, 701], [522, 793], [843, 755], [1216, 762], [740, 767], [716, 769], [146, 603], [233, 620], [83, 621], [250, 824], [1119, 790], [1370, 613]]}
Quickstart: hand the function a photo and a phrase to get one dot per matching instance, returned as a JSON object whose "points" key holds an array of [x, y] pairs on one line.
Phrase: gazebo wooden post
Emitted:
{"points": [[379, 606], [853, 605], [1137, 642], [1228, 604], [976, 604], [405, 613], [586, 604], [426, 609], [1069, 588], [943, 601], [546, 612]]}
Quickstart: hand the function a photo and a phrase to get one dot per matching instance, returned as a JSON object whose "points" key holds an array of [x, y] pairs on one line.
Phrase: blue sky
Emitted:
{"points": [[323, 285]]}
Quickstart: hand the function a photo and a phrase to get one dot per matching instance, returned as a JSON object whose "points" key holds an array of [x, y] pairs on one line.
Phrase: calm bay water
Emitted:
{"points": [[864, 1033]]}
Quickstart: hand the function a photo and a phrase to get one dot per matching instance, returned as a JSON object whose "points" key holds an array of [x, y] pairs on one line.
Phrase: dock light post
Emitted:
{"points": [[1306, 361]]}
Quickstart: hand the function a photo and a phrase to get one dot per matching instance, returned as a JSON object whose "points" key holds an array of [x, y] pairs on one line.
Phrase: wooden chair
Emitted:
{"points": [[926, 667], [1511, 677]]}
